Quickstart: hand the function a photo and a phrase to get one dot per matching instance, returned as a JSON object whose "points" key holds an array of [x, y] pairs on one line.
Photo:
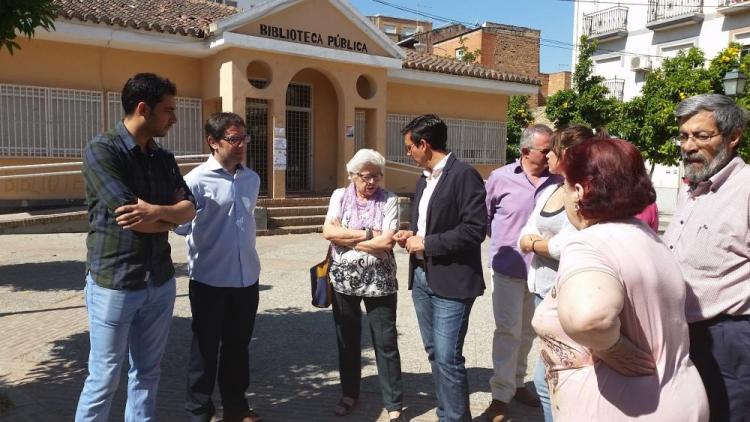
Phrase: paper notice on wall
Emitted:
{"points": [[279, 132], [279, 153], [279, 143], [349, 131], [279, 159]]}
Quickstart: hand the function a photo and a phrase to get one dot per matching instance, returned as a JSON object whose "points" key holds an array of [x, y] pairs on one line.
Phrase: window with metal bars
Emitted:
{"points": [[299, 137], [258, 83], [47, 122], [257, 128], [184, 138], [473, 141], [360, 129]]}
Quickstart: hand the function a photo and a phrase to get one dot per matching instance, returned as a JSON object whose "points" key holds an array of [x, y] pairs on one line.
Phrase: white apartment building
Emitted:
{"points": [[636, 35]]}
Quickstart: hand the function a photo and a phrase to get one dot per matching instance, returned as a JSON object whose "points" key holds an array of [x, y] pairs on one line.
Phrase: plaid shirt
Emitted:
{"points": [[117, 172]]}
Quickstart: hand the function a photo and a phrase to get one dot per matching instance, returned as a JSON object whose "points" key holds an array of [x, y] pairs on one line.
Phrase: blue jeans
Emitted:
{"points": [[443, 323], [540, 380], [120, 321]]}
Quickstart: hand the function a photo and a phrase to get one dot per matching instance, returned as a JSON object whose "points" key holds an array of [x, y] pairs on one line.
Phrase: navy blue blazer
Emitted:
{"points": [[456, 228]]}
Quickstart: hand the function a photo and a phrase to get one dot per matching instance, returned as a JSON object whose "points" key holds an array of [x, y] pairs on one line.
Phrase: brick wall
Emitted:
{"points": [[541, 98], [511, 50], [440, 34], [557, 82]]}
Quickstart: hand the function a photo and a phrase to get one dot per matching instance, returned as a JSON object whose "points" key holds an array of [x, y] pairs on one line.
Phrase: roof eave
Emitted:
{"points": [[461, 83]]}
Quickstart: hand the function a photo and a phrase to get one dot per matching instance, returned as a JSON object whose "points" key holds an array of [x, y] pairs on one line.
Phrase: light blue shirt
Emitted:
{"points": [[221, 237]]}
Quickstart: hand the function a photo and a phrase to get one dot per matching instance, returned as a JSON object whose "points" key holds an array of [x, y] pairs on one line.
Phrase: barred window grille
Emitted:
{"points": [[360, 129], [184, 138], [47, 122], [257, 150], [258, 83], [299, 130], [299, 95], [394, 147], [473, 141]]}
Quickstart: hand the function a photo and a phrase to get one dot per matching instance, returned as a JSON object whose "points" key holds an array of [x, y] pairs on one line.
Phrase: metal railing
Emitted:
{"points": [[605, 21], [616, 87], [667, 9]]}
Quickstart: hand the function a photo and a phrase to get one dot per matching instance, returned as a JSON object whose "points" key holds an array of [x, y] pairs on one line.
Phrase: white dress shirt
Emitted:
{"points": [[432, 180], [221, 237]]}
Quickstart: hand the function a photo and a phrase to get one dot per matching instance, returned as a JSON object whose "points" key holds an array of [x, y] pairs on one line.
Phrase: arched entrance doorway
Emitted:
{"points": [[311, 132]]}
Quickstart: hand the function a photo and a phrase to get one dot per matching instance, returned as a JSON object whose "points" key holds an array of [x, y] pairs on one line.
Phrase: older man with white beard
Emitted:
{"points": [[710, 237]]}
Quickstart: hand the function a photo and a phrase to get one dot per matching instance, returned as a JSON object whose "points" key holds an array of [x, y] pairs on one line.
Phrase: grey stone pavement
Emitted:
{"points": [[44, 339]]}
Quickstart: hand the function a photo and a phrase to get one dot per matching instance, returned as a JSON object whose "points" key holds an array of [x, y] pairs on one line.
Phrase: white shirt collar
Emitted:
{"points": [[213, 164], [438, 169]]}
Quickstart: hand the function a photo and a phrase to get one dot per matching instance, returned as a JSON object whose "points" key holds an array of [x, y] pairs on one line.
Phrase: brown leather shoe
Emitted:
{"points": [[527, 397], [496, 411], [252, 417]]}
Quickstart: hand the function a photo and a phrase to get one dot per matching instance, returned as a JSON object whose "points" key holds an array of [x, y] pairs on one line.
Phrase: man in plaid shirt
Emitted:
{"points": [[135, 195]]}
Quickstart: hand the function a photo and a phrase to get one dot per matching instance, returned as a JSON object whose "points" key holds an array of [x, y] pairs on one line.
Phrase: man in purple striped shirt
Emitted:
{"points": [[709, 235], [511, 195]]}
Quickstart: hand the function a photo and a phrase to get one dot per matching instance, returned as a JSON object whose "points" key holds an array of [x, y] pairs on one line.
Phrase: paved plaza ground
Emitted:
{"points": [[44, 339]]}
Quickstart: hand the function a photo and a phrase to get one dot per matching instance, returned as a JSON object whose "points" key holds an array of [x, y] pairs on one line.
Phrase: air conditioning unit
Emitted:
{"points": [[640, 63]]}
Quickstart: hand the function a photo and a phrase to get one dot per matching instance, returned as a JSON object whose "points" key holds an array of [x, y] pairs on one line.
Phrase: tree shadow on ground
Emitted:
{"points": [[47, 276], [59, 275], [293, 365]]}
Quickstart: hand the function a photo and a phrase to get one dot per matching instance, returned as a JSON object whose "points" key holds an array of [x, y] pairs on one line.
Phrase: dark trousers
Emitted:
{"points": [[720, 349], [381, 316], [223, 320]]}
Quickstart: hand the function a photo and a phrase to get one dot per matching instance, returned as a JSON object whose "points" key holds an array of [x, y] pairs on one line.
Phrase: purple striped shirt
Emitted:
{"points": [[510, 199], [709, 235]]}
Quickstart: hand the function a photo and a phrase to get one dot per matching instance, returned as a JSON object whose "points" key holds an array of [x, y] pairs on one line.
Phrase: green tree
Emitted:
{"points": [[24, 16], [724, 62], [518, 117], [648, 120], [587, 102]]}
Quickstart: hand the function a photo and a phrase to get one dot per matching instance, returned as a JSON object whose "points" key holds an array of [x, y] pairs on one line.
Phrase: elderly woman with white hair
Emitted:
{"points": [[361, 221]]}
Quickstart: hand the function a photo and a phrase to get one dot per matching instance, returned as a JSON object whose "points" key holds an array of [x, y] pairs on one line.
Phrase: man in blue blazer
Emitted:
{"points": [[448, 225]]}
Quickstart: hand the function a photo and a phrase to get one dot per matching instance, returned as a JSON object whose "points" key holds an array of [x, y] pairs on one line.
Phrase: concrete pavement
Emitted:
{"points": [[44, 342]]}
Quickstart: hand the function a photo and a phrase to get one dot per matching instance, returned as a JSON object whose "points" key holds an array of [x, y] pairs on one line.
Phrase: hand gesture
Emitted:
{"points": [[627, 359], [140, 212], [401, 236]]}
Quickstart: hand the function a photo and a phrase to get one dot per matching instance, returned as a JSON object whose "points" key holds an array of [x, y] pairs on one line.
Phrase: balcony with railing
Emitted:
{"points": [[611, 23], [616, 87], [668, 14], [733, 7]]}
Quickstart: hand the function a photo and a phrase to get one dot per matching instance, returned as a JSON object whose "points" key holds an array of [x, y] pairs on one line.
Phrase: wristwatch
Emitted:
{"points": [[368, 233]]}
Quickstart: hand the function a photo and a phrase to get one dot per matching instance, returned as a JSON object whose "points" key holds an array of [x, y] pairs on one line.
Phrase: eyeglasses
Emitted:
{"points": [[544, 151], [700, 138], [237, 140], [409, 147], [370, 178]]}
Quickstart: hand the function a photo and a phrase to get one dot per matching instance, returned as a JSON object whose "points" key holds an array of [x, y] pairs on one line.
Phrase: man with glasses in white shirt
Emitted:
{"points": [[224, 268]]}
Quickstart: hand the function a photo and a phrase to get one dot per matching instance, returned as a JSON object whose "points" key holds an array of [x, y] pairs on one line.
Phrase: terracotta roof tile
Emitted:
{"points": [[431, 63], [184, 17], [192, 18]]}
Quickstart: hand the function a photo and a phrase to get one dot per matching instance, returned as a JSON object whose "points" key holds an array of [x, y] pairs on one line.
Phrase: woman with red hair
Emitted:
{"points": [[615, 338]]}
